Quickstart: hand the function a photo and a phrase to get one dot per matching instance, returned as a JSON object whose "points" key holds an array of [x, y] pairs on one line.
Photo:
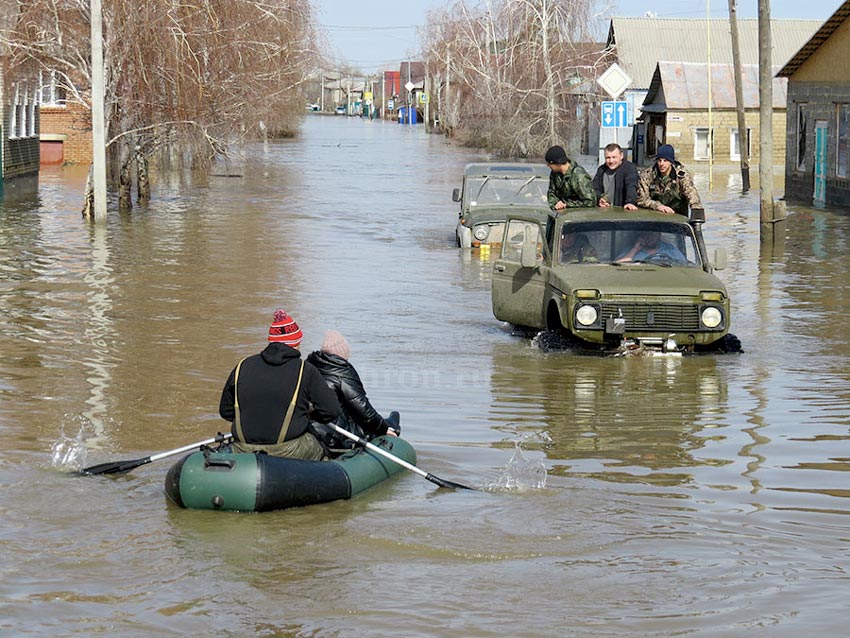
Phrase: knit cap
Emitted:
{"points": [[284, 329], [335, 343]]}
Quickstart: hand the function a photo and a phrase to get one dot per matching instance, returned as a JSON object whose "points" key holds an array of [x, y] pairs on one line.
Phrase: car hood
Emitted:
{"points": [[490, 213], [634, 279]]}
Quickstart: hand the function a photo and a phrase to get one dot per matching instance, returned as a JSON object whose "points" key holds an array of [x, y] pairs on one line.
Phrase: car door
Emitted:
{"points": [[517, 289]]}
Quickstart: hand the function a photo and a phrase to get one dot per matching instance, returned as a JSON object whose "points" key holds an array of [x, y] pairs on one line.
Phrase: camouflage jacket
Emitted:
{"points": [[675, 190], [574, 188]]}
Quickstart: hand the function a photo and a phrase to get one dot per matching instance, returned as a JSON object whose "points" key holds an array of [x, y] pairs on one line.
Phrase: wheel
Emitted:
{"points": [[728, 343]]}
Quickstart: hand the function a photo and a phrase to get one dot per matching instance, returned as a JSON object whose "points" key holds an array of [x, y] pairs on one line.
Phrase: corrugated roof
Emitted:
{"points": [[822, 35], [641, 42], [685, 86]]}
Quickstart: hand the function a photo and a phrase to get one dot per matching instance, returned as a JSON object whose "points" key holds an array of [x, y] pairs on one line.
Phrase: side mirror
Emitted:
{"points": [[528, 256], [720, 259], [698, 215], [456, 195]]}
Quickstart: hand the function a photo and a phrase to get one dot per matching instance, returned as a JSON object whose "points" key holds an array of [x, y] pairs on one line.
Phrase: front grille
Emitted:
{"points": [[661, 317]]}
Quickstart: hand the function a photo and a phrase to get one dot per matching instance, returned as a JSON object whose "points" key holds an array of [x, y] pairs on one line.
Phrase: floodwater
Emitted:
{"points": [[700, 496]]}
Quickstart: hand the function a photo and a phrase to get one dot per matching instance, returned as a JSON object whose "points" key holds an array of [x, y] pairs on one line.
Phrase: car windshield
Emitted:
{"points": [[660, 243], [518, 189]]}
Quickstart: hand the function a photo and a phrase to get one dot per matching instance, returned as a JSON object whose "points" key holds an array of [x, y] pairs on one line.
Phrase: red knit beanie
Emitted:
{"points": [[284, 329]]}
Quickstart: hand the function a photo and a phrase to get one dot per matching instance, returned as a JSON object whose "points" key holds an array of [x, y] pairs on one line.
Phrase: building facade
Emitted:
{"points": [[817, 157]]}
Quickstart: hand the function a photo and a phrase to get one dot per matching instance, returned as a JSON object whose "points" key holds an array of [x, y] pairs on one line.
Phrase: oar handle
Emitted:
{"points": [[219, 438]]}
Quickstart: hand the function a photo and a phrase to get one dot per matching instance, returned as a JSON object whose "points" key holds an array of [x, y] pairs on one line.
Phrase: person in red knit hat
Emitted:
{"points": [[271, 397]]}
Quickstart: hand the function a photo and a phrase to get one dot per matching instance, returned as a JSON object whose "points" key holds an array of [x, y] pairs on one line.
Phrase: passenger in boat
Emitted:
{"points": [[647, 244], [569, 183], [616, 180], [271, 397], [667, 186], [357, 415]]}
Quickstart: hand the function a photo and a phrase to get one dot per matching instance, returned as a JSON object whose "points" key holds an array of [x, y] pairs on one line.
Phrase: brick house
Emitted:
{"points": [[817, 156], [675, 112], [65, 125]]}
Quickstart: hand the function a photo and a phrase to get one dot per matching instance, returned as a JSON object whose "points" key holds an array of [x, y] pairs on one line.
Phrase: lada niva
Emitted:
{"points": [[490, 192], [611, 279]]}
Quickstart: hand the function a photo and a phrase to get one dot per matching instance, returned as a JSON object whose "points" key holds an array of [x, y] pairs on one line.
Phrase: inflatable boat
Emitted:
{"points": [[225, 480]]}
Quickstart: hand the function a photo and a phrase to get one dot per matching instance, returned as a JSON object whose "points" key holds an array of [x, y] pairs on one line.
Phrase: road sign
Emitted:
{"points": [[423, 98], [615, 114], [390, 104], [410, 86], [614, 80]]}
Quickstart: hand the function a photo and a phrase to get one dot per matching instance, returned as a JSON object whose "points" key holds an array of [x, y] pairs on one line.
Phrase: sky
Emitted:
{"points": [[373, 35]]}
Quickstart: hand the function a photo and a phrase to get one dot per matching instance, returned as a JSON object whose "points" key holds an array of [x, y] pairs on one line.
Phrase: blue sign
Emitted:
{"points": [[615, 114]]}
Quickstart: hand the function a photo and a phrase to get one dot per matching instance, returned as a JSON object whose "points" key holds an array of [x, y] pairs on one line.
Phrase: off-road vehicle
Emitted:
{"points": [[610, 279]]}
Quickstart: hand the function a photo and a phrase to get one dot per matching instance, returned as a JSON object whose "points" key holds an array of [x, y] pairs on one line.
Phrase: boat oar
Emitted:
{"points": [[374, 448], [119, 467]]}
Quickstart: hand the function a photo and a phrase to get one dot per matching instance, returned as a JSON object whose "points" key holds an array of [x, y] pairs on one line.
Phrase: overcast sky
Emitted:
{"points": [[377, 34]]}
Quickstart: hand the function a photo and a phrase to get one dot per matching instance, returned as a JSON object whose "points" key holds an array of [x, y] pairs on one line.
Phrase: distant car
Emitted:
{"points": [[340, 110], [581, 273], [313, 107], [489, 192]]}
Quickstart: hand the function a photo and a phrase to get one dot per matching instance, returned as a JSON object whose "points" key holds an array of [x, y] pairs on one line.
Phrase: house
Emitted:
{"points": [[638, 44], [817, 147], [675, 112], [18, 118], [66, 136]]}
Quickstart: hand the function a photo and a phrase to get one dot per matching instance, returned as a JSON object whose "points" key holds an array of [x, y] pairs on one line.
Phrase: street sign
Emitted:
{"points": [[410, 86], [614, 80], [390, 104], [615, 114], [423, 98]]}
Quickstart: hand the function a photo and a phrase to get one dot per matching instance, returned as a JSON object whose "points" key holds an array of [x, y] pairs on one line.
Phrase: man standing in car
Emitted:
{"points": [[616, 180], [569, 183]]}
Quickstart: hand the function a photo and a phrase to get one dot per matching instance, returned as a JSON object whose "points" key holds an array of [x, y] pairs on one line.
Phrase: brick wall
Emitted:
{"points": [[820, 100], [72, 125], [681, 126]]}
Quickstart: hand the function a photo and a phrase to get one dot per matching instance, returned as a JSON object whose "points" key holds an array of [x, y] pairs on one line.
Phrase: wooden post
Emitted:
{"points": [[768, 213], [743, 137]]}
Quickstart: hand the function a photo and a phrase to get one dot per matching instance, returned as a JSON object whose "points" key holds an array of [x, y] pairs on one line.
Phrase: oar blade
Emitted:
{"points": [[436, 480], [114, 467]]}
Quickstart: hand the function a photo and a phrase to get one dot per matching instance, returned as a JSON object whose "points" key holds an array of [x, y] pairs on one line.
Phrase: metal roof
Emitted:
{"points": [[684, 85], [822, 35], [639, 43]]}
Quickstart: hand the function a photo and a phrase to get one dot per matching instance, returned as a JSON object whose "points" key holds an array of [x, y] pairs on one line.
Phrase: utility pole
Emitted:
{"points": [[770, 212], [743, 135], [97, 112]]}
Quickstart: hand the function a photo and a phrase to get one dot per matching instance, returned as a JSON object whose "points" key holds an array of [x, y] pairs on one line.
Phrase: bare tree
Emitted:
{"points": [[511, 71], [185, 80]]}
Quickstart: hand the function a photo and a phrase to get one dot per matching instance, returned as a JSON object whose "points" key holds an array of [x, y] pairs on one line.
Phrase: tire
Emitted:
{"points": [[728, 344]]}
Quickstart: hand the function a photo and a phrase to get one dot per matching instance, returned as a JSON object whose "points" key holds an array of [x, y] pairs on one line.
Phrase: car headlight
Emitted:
{"points": [[481, 232], [711, 317], [587, 315]]}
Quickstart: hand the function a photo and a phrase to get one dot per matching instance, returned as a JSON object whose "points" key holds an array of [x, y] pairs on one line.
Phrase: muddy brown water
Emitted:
{"points": [[703, 496]]}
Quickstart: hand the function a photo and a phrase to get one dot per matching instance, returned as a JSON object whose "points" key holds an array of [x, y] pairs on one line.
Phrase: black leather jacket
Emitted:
{"points": [[356, 413]]}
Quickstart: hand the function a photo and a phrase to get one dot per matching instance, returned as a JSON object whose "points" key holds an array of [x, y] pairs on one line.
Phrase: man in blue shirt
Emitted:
{"points": [[649, 243]]}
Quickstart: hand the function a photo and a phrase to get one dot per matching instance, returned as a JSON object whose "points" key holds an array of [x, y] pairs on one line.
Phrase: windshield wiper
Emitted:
{"points": [[481, 188], [524, 184]]}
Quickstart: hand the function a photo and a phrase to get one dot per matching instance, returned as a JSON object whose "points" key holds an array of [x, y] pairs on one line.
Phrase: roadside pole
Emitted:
{"points": [[97, 112], [743, 135], [771, 214]]}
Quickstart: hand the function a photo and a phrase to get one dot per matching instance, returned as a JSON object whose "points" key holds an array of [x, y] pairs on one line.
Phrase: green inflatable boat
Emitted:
{"points": [[222, 480]]}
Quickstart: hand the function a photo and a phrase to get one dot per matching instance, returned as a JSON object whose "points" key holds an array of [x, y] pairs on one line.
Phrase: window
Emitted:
{"points": [[518, 232], [802, 115], [51, 93], [703, 143], [842, 158], [734, 144]]}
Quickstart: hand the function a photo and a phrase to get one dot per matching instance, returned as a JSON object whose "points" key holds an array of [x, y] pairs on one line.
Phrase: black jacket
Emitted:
{"points": [[625, 183], [266, 385], [355, 410]]}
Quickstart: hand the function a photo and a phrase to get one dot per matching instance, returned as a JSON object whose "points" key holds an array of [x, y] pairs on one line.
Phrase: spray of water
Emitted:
{"points": [[69, 452], [522, 473]]}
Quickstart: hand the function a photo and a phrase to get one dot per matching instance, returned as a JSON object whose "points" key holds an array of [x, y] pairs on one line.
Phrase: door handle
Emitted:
{"points": [[499, 267]]}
